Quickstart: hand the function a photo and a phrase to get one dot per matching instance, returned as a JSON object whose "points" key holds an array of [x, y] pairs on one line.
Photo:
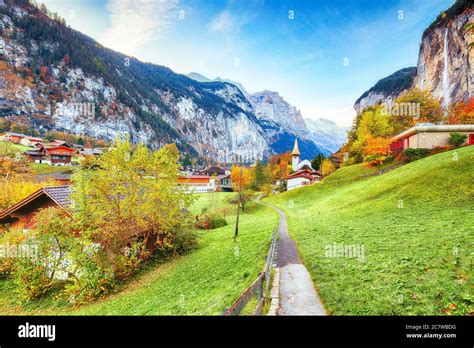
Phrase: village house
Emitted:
{"points": [[303, 173], [85, 152], [224, 183], [52, 155], [212, 171], [31, 141], [11, 137], [56, 142], [21, 215], [429, 136], [198, 183]]}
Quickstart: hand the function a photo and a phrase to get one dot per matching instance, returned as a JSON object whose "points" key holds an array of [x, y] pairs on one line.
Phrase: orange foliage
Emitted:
{"points": [[279, 164], [235, 177], [461, 113], [377, 146], [281, 157]]}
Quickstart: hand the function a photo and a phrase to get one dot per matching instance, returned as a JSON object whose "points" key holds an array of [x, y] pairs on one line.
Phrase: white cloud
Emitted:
{"points": [[224, 21], [227, 21], [134, 23]]}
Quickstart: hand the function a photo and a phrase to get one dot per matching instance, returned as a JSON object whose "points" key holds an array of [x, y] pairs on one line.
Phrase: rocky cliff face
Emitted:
{"points": [[56, 78], [327, 133], [445, 64], [386, 89], [283, 122], [53, 77]]}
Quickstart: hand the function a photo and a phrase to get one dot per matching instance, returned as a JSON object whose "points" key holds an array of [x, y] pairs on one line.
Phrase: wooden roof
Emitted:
{"points": [[58, 194]]}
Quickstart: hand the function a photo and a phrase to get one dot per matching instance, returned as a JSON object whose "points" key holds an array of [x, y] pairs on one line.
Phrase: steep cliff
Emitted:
{"points": [[445, 62], [57, 78], [386, 89]]}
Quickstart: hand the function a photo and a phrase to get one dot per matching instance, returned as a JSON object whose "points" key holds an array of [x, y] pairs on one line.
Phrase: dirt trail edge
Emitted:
{"points": [[297, 293]]}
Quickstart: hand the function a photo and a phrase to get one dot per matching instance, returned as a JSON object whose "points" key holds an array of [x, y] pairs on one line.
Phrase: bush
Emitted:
{"points": [[267, 190], [457, 139], [410, 155], [211, 221], [7, 263], [216, 221], [439, 149], [185, 240], [374, 160], [31, 279], [94, 281]]}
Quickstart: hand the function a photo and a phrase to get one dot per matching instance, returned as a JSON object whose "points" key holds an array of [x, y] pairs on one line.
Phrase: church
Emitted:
{"points": [[303, 173]]}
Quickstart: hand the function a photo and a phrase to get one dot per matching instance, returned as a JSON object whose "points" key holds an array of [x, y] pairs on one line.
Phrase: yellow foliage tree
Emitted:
{"points": [[327, 167], [237, 180]]}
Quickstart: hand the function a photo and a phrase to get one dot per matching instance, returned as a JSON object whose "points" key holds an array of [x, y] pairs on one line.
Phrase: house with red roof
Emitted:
{"points": [[31, 141], [11, 137], [52, 155], [429, 136], [198, 183]]}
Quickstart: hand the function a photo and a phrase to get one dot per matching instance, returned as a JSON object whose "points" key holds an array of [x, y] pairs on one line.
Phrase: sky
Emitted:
{"points": [[319, 55]]}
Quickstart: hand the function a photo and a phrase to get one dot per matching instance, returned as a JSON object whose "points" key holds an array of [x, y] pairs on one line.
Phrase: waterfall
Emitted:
{"points": [[445, 80]]}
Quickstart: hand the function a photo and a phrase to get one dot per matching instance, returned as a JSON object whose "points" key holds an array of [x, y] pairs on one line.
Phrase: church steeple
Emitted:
{"points": [[295, 156], [296, 151]]}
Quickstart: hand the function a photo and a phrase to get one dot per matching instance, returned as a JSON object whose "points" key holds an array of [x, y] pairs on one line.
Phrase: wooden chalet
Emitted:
{"points": [[31, 141], [52, 155], [11, 137], [21, 215]]}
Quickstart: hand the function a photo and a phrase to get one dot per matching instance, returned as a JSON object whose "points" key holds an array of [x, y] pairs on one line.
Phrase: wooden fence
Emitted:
{"points": [[260, 286]]}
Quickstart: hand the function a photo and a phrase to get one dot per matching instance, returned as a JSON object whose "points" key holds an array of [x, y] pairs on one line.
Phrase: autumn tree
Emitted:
{"points": [[17, 182], [373, 122], [327, 167], [425, 104], [131, 204], [376, 150], [461, 112], [259, 177], [241, 178]]}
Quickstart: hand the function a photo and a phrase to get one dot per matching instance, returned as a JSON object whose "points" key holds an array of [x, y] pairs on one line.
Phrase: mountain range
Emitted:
{"points": [[53, 77], [283, 122]]}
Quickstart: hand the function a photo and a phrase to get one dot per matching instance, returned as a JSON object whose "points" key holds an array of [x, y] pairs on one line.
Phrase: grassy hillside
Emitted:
{"points": [[211, 201], [415, 223], [8, 148], [203, 282]]}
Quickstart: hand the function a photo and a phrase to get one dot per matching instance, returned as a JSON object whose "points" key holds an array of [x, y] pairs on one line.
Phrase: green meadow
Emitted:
{"points": [[203, 282], [415, 225]]}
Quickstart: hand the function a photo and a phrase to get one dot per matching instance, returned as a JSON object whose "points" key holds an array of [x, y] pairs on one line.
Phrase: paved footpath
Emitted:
{"points": [[297, 293]]}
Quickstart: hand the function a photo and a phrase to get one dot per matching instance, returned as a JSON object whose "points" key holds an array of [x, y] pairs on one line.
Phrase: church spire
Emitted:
{"points": [[296, 151]]}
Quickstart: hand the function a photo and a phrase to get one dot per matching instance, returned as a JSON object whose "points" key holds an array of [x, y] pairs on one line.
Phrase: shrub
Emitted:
{"points": [[267, 190], [31, 279], [94, 281], [216, 221], [457, 139], [374, 160], [7, 263], [211, 221], [410, 155], [185, 240], [439, 149]]}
